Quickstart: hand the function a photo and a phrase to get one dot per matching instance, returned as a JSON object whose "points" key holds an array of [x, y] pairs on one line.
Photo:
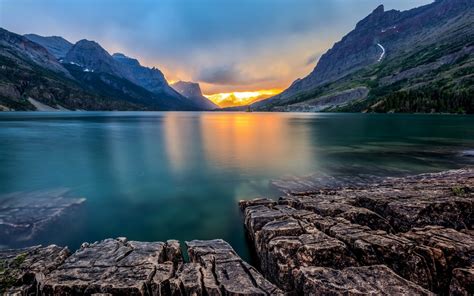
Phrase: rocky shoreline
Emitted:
{"points": [[398, 236]]}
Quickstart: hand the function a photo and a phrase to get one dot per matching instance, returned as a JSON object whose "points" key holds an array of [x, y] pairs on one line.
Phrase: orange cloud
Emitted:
{"points": [[241, 98]]}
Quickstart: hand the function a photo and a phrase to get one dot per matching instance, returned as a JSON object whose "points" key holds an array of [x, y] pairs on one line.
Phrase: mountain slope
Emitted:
{"points": [[93, 58], [57, 46], [28, 71], [151, 79], [193, 92], [422, 54]]}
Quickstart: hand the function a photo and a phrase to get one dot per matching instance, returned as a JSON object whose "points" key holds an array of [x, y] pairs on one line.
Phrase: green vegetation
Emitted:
{"points": [[21, 79], [7, 271], [460, 191], [435, 74]]}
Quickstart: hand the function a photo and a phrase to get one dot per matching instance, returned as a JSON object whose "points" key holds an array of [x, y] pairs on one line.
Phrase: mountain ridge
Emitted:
{"points": [[381, 45], [192, 91], [87, 77], [56, 45]]}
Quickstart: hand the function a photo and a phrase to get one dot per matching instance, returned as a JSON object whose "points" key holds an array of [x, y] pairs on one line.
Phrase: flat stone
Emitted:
{"points": [[378, 247], [232, 275], [113, 266], [450, 249], [366, 280], [22, 269]]}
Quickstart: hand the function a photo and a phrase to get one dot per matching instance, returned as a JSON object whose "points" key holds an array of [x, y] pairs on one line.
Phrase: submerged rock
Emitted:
{"points": [[23, 215]]}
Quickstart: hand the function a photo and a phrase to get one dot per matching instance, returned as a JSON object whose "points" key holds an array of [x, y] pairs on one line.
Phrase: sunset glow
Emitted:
{"points": [[241, 98]]}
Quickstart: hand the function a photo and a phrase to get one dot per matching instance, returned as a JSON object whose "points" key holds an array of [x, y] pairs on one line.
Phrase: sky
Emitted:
{"points": [[228, 46]]}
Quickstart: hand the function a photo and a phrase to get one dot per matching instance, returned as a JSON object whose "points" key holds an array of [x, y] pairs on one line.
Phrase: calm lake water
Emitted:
{"points": [[158, 176]]}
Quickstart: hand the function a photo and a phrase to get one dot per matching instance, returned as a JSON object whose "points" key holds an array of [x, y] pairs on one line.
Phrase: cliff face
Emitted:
{"points": [[193, 92], [384, 40]]}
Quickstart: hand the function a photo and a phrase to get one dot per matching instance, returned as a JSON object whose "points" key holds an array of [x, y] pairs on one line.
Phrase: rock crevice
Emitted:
{"points": [[413, 234]]}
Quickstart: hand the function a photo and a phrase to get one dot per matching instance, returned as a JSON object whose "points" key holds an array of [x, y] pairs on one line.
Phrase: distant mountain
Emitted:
{"points": [[86, 78], [57, 46], [420, 60], [193, 92], [151, 79], [29, 73], [91, 56]]}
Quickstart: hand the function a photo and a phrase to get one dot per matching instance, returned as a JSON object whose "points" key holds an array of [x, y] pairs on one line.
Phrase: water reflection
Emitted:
{"points": [[157, 176], [249, 142]]}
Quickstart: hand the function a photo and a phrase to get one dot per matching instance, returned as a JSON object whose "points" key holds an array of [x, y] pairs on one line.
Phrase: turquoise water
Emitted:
{"points": [[157, 176]]}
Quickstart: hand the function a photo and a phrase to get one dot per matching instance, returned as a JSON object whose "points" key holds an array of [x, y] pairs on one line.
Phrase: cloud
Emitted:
{"points": [[312, 59], [228, 75], [264, 41]]}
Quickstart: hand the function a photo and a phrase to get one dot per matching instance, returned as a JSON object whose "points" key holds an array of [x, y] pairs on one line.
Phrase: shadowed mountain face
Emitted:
{"points": [[193, 92], [392, 53], [56, 45], [86, 77], [90, 55]]}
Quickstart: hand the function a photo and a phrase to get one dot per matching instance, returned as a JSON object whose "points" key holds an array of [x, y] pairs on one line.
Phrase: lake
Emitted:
{"points": [[155, 176]]}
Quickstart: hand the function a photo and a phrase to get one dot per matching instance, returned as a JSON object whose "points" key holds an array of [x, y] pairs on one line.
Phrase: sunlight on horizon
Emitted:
{"points": [[241, 98]]}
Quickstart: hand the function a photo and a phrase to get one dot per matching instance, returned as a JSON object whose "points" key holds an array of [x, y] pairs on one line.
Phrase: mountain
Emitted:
{"points": [[57, 46], [91, 56], [151, 79], [30, 74], [86, 78], [193, 92], [420, 60]]}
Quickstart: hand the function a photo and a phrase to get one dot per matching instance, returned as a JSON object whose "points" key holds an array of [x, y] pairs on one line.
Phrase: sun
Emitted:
{"points": [[243, 98]]}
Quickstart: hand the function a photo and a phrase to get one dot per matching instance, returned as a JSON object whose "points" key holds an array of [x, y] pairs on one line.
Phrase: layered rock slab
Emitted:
{"points": [[366, 280], [21, 270], [114, 266], [225, 273], [122, 267], [371, 222]]}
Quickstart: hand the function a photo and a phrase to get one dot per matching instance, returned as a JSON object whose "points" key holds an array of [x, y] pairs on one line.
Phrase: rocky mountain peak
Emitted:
{"points": [[89, 54], [56, 45], [187, 88], [120, 57], [192, 91], [378, 11], [90, 45]]}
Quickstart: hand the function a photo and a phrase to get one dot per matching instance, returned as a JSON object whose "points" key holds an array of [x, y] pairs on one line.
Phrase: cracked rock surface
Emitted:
{"points": [[21, 270], [121, 267], [411, 233]]}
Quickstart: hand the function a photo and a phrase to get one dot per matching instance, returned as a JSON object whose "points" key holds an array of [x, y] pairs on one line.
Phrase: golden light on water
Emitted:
{"points": [[241, 98]]}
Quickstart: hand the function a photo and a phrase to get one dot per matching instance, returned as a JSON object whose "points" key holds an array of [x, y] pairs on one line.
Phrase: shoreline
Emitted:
{"points": [[411, 235]]}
